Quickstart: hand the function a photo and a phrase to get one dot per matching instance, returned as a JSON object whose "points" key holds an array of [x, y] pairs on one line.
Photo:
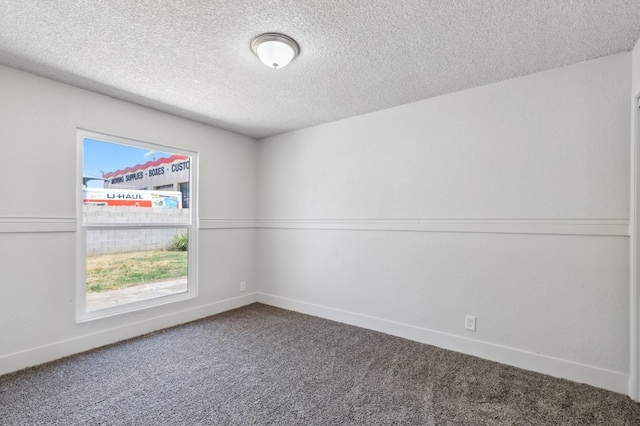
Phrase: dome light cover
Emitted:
{"points": [[275, 50]]}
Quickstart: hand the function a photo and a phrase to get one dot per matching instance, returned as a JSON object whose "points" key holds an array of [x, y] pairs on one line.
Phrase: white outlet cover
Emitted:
{"points": [[470, 323]]}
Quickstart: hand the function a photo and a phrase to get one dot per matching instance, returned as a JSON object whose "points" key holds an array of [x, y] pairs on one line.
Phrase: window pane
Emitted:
{"points": [[96, 213], [135, 225], [132, 184], [184, 190], [125, 266]]}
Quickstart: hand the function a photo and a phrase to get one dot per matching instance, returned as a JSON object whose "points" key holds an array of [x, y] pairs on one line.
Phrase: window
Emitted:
{"points": [[184, 190], [164, 187], [136, 247]]}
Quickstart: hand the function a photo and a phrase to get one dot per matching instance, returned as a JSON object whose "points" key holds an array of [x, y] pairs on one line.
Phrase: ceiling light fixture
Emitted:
{"points": [[275, 50]]}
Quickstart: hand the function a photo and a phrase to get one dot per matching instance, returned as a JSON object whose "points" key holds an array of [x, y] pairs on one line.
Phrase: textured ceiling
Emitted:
{"points": [[192, 58]]}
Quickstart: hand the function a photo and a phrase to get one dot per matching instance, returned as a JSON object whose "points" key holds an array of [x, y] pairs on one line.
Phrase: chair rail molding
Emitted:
{"points": [[26, 224], [594, 227]]}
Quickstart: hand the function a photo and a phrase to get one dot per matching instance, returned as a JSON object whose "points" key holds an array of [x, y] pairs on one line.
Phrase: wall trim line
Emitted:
{"points": [[593, 227], [37, 224], [53, 351], [581, 373], [226, 223]]}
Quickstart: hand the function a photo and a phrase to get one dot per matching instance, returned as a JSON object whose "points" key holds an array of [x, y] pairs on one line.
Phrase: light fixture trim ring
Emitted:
{"points": [[275, 37]]}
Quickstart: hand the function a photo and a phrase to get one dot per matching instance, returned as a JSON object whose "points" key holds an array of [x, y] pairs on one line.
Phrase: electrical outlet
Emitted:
{"points": [[470, 322], [243, 285]]}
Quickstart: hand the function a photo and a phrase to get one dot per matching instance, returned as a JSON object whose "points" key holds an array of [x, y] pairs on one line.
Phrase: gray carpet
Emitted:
{"points": [[263, 365]]}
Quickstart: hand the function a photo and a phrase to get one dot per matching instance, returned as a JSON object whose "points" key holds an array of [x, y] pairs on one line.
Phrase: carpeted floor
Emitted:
{"points": [[263, 365]]}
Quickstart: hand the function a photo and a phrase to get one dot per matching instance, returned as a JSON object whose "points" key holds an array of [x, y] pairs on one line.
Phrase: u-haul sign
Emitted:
{"points": [[132, 198]]}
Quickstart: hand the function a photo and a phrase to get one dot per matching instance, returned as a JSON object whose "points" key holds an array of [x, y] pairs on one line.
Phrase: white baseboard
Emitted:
{"points": [[40, 355], [581, 373]]}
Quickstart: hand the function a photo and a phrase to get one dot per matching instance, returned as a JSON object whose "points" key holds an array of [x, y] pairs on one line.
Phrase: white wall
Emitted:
{"points": [[37, 217], [528, 177], [634, 380], [527, 182], [635, 78]]}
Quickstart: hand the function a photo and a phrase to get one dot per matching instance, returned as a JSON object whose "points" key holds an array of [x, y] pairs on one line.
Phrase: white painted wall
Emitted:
{"points": [[635, 78], [38, 180], [634, 379], [548, 151], [550, 147]]}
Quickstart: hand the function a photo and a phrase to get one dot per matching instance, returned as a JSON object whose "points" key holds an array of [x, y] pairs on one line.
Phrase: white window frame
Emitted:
{"points": [[81, 245]]}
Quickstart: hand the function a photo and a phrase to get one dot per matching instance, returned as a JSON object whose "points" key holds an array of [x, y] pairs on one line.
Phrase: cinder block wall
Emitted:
{"points": [[130, 240]]}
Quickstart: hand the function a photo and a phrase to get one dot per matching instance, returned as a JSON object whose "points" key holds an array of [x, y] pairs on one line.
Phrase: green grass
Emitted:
{"points": [[121, 270]]}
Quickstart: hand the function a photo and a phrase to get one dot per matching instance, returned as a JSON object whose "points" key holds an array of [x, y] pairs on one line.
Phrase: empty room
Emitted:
{"points": [[324, 213]]}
